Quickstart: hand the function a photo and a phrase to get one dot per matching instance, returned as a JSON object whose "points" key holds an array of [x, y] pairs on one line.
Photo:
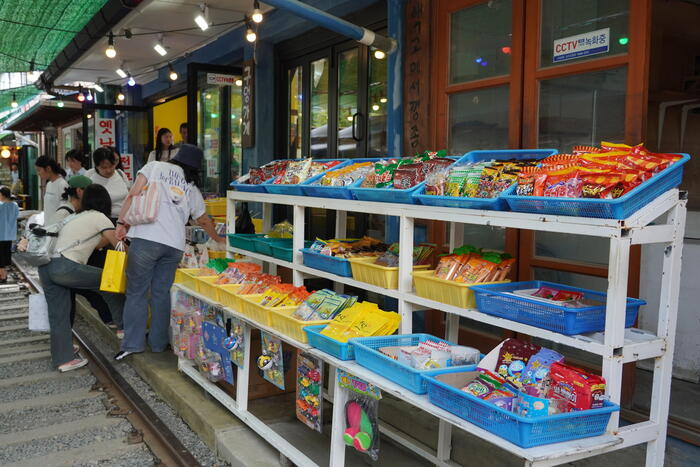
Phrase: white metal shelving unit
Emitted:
{"points": [[615, 346]]}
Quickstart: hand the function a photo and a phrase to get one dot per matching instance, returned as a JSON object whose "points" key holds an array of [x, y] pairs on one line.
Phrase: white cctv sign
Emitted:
{"points": [[221, 79], [582, 45]]}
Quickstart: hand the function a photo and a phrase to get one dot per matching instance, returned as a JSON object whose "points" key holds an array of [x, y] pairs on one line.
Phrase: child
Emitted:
{"points": [[8, 230]]}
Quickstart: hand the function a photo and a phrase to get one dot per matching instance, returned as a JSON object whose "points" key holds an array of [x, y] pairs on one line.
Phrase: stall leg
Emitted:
{"points": [[340, 397]]}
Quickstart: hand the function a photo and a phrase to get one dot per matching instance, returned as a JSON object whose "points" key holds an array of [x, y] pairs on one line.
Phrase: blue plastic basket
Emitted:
{"points": [[494, 300], [492, 204], [297, 190], [248, 187], [384, 195], [340, 350], [244, 241], [526, 432], [311, 188], [339, 266], [367, 355], [619, 208]]}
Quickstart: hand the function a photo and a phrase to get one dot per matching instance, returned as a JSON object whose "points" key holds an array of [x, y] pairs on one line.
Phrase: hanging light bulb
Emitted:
{"points": [[250, 35], [60, 103], [110, 51], [257, 15], [89, 96], [375, 107], [81, 97], [98, 87], [131, 81], [14, 103], [202, 17], [379, 54], [383, 100], [239, 82], [172, 73], [121, 97], [33, 75], [89, 116], [159, 47]]}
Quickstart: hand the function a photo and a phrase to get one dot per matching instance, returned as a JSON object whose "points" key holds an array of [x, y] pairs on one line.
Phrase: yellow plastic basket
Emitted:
{"points": [[444, 291], [364, 270], [281, 320], [259, 313], [226, 295], [187, 277], [216, 207], [214, 254], [206, 286]]}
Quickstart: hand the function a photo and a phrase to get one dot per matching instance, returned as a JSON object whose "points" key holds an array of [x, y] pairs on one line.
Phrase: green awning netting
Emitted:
{"points": [[37, 30]]}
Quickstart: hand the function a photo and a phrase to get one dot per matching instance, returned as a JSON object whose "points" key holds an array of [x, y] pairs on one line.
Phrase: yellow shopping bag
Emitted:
{"points": [[114, 272]]}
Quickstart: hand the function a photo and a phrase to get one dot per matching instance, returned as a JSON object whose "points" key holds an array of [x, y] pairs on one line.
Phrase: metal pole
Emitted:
{"points": [[328, 21], [395, 78]]}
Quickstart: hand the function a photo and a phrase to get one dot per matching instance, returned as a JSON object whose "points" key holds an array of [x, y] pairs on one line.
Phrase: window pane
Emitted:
{"points": [[347, 101], [209, 135], [478, 120], [567, 18], [582, 109], [378, 103], [295, 117], [236, 149], [319, 107], [480, 41], [578, 248]]}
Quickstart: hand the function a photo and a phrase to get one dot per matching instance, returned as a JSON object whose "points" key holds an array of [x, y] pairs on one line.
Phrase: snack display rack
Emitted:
{"points": [[615, 346]]}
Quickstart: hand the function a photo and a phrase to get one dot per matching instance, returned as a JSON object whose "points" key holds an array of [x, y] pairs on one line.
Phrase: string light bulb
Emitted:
{"points": [[33, 75], [379, 54], [81, 96], [158, 47], [250, 35], [89, 96], [202, 17], [383, 100], [172, 73], [131, 81], [14, 103], [110, 51], [60, 103], [257, 15], [121, 97], [239, 82]]}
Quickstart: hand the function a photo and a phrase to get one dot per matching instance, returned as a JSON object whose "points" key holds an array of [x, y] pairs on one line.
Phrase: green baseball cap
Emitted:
{"points": [[79, 181]]}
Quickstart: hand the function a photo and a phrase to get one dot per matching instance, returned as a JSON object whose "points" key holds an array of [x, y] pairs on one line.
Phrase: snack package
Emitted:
{"points": [[296, 172], [581, 390], [537, 370], [513, 358]]}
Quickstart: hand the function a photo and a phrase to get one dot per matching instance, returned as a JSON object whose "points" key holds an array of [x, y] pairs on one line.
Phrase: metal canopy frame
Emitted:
{"points": [[615, 346]]}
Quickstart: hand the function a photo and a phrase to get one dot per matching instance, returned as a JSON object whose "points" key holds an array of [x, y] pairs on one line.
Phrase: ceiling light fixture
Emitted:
{"points": [[202, 17], [60, 103], [257, 15], [160, 48], [383, 100], [5, 153], [120, 71], [172, 73], [250, 35], [131, 81], [110, 51], [379, 54], [89, 96], [239, 82], [98, 88], [120, 97], [80, 96], [14, 103], [33, 75]]}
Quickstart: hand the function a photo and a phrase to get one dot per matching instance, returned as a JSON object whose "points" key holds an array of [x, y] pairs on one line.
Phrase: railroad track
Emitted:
{"points": [[90, 416]]}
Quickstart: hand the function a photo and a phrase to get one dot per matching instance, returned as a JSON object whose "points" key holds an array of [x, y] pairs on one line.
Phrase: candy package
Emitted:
{"points": [[513, 358], [581, 390]]}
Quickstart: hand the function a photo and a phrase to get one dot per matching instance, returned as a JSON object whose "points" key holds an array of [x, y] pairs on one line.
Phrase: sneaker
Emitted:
{"points": [[73, 365], [120, 334], [122, 354]]}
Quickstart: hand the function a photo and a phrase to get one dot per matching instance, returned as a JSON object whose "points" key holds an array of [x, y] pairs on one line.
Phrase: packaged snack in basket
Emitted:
{"points": [[563, 183], [532, 406], [463, 355], [407, 176], [306, 309], [537, 370], [296, 297], [456, 180], [581, 390], [256, 176], [487, 182], [281, 230], [296, 172], [436, 182], [513, 358]]}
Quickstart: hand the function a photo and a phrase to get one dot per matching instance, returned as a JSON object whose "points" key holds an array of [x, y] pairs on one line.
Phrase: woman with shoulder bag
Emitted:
{"points": [[158, 242], [77, 239]]}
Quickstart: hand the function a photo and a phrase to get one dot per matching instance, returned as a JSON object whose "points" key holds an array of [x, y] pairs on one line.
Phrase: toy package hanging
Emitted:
{"points": [[361, 414], [309, 404], [235, 342], [214, 337], [271, 361]]}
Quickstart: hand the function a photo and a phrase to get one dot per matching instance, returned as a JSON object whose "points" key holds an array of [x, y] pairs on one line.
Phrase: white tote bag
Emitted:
{"points": [[144, 206], [38, 313]]}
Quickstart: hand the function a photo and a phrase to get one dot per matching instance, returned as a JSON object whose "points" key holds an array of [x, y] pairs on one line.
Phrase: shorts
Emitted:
{"points": [[5, 253]]}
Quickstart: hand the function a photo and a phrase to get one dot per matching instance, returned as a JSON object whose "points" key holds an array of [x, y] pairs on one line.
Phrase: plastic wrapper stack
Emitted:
{"points": [[405, 173], [299, 170], [390, 258], [432, 354], [248, 274], [283, 295], [259, 175], [323, 305], [349, 248], [607, 172], [362, 319], [346, 176], [471, 265]]}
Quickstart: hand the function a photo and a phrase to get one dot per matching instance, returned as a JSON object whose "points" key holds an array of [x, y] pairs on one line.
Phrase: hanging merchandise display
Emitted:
{"points": [[271, 362], [361, 414], [235, 342], [214, 337], [309, 402]]}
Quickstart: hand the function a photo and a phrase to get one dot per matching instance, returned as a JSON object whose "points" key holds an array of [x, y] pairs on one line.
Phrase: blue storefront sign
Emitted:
{"points": [[581, 45]]}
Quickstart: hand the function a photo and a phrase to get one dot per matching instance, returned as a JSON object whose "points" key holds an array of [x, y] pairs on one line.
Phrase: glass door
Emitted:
{"points": [[214, 123]]}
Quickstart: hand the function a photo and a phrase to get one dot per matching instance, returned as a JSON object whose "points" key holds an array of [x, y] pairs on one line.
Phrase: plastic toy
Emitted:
{"points": [[361, 430], [265, 362]]}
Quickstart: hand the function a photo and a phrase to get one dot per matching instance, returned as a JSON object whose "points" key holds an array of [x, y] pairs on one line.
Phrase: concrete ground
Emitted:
{"points": [[234, 442]]}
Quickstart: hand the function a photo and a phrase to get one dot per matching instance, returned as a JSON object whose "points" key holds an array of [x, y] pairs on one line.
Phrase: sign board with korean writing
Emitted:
{"points": [[581, 45], [221, 79], [248, 105], [128, 166], [105, 131], [416, 94]]}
